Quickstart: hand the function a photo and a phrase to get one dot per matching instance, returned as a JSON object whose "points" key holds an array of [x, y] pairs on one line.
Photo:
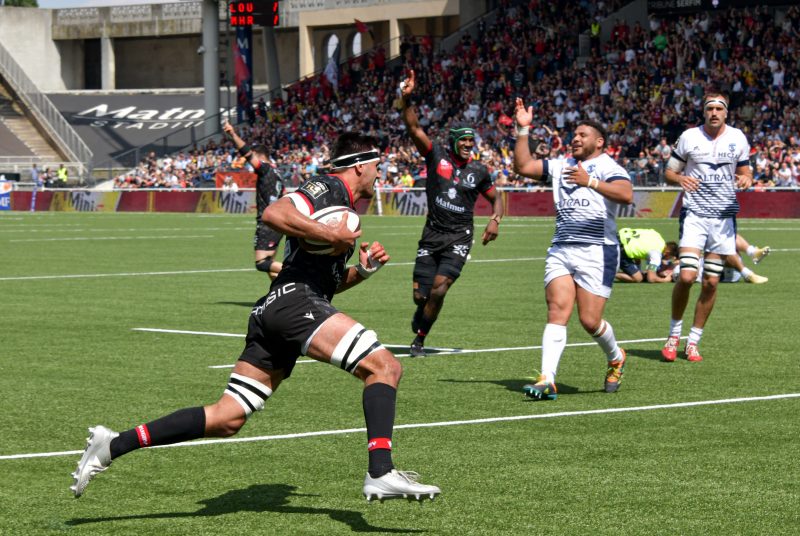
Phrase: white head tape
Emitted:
{"points": [[715, 100]]}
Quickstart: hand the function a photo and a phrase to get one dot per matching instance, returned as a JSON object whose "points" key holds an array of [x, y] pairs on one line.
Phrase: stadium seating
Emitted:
{"points": [[645, 84]]}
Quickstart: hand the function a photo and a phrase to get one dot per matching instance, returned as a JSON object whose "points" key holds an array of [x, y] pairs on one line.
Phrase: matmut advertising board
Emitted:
{"points": [[112, 125]]}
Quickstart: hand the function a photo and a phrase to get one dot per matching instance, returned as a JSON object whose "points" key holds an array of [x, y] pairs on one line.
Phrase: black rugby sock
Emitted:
{"points": [[424, 327], [417, 317], [379, 401], [183, 425]]}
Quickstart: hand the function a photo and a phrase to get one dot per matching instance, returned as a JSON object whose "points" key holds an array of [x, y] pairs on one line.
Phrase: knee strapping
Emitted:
{"points": [[264, 264], [249, 393], [714, 267], [356, 344], [690, 261]]}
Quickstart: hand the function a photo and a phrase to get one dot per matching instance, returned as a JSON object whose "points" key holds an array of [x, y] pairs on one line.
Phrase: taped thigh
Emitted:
{"points": [[356, 344], [689, 261], [713, 267], [249, 393]]}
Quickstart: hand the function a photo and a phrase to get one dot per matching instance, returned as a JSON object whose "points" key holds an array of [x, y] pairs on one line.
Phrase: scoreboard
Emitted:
{"points": [[249, 12]]}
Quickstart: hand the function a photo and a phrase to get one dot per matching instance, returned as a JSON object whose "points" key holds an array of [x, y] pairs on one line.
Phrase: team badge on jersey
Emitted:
{"points": [[315, 189], [445, 169]]}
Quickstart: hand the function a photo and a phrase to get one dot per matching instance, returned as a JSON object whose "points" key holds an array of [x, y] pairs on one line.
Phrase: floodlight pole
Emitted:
{"points": [[210, 52]]}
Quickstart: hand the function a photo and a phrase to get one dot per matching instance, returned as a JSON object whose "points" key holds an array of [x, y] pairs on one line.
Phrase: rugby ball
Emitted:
{"points": [[330, 216]]}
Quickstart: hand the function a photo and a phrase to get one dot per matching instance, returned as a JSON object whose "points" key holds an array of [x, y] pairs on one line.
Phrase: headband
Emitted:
{"points": [[715, 100], [350, 160], [463, 132]]}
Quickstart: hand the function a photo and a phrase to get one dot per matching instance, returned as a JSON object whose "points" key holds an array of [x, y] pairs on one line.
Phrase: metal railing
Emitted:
{"points": [[46, 114]]}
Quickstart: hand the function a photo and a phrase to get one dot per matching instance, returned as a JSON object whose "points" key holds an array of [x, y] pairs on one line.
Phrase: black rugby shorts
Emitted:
{"points": [[281, 323], [440, 254], [266, 238]]}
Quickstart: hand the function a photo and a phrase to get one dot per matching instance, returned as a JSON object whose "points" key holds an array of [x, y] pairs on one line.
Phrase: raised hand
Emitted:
{"points": [[407, 85], [523, 116]]}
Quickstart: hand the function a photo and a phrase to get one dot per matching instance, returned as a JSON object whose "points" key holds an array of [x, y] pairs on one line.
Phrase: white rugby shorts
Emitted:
{"points": [[591, 266], [710, 235]]}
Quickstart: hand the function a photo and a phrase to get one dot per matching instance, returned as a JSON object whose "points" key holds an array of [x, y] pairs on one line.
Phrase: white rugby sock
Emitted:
{"points": [[746, 272], [694, 335], [751, 251], [554, 340], [604, 337], [675, 327]]}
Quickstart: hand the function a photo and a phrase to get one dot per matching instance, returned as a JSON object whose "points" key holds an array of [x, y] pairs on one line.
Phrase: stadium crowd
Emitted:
{"points": [[645, 84]]}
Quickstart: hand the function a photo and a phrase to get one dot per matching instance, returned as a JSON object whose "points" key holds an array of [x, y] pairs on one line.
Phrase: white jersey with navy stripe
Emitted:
{"points": [[583, 216], [714, 163]]}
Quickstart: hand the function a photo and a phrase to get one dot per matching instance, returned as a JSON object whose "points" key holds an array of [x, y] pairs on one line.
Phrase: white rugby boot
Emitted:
{"points": [[96, 458], [398, 484], [759, 254]]}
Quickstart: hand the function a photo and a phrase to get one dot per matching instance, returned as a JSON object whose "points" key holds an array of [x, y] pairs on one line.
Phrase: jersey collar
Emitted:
{"points": [[349, 191]]}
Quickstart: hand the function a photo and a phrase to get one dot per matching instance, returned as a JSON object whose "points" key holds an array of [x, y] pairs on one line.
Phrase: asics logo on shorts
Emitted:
{"points": [[461, 249], [272, 296], [422, 252]]}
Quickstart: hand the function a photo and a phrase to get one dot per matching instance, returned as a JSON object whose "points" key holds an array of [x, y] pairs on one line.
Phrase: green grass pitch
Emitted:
{"points": [[70, 358]]}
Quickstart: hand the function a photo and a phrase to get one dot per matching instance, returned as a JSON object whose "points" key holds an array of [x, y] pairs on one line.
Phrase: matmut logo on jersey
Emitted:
{"points": [[445, 169]]}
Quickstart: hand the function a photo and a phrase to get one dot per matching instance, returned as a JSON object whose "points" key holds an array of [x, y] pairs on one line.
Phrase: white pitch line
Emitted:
{"points": [[83, 238], [183, 272], [769, 228], [439, 351], [124, 274], [184, 332], [119, 229], [440, 424]]}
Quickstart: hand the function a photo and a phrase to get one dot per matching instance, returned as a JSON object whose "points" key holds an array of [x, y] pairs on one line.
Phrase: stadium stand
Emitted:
{"points": [[645, 84]]}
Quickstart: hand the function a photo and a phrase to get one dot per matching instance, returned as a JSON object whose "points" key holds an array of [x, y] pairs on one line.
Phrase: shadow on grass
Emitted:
{"points": [[256, 498], [515, 386], [655, 355], [238, 303]]}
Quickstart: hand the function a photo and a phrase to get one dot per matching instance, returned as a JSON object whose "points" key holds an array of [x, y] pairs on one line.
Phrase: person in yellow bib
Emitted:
{"points": [[62, 175], [636, 245]]}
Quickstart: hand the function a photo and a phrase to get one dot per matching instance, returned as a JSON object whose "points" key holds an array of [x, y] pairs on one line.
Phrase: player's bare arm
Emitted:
{"points": [[285, 218], [674, 176], [230, 131], [744, 177], [418, 136], [240, 144], [524, 162], [371, 258], [618, 191], [493, 227], [688, 184]]}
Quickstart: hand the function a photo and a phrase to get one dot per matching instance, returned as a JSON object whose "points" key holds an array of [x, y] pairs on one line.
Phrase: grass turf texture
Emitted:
{"points": [[70, 359]]}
